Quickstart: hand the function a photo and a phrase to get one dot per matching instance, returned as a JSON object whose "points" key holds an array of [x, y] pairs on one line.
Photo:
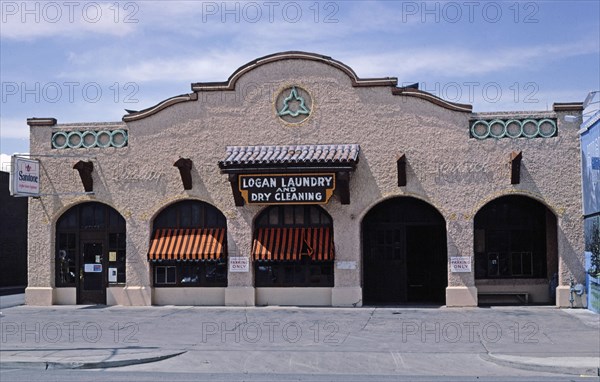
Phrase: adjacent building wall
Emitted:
{"points": [[590, 158], [13, 236]]}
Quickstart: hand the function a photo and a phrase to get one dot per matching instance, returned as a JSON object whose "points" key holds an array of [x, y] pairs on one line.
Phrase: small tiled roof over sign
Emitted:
{"points": [[303, 156]]}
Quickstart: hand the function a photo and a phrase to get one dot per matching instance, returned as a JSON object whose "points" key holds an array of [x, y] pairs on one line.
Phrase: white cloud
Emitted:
{"points": [[273, 22], [208, 66], [31, 20], [217, 66], [460, 62], [14, 128], [178, 41], [411, 63]]}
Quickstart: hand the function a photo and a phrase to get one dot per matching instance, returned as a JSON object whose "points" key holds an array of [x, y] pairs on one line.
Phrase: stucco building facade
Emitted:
{"points": [[377, 194]]}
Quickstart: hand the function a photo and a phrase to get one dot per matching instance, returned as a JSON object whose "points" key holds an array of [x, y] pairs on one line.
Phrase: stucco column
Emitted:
{"points": [[461, 290], [240, 285], [347, 289], [40, 275], [570, 260], [138, 287]]}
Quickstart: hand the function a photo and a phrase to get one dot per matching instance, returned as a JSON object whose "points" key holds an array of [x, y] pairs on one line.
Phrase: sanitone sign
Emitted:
{"points": [[287, 188], [24, 177]]}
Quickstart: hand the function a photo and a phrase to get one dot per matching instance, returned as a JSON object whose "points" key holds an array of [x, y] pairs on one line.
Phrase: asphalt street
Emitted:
{"points": [[11, 300], [257, 343]]}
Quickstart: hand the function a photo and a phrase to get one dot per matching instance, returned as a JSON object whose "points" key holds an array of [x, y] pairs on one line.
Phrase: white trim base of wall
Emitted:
{"points": [[294, 296], [461, 296], [65, 296], [43, 296], [240, 296], [563, 295], [346, 296], [188, 296]]}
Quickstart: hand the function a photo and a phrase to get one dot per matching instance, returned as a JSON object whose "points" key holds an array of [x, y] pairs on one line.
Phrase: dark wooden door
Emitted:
{"points": [[426, 267], [92, 285], [384, 265]]}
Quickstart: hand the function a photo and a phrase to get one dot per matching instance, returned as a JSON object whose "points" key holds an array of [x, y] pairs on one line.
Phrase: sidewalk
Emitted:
{"points": [[324, 340]]}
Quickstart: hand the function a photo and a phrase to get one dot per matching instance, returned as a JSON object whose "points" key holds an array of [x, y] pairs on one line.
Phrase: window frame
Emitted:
{"points": [[278, 268], [166, 275], [180, 269]]}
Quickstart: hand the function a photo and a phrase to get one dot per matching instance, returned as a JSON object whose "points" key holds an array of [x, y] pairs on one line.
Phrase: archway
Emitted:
{"points": [[404, 253], [515, 246], [90, 250], [189, 246]]}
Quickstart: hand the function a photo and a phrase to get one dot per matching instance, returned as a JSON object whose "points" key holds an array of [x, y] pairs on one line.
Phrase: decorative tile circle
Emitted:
{"points": [[514, 128], [293, 104], [89, 139]]}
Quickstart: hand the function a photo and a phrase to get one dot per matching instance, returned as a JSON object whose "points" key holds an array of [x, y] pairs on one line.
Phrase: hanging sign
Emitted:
{"points": [[24, 177], [287, 189]]}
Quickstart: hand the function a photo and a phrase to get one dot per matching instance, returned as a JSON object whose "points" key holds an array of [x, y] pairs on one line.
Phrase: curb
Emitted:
{"points": [[572, 370], [46, 365]]}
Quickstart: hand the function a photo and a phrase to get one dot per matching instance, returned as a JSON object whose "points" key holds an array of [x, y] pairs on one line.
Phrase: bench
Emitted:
{"points": [[522, 297]]}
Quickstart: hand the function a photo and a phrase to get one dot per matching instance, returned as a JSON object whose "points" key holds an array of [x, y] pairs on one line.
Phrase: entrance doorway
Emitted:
{"points": [[92, 287], [90, 251], [516, 252], [404, 253]]}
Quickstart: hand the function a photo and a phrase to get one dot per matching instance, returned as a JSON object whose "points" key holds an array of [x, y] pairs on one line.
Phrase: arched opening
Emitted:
{"points": [[404, 253], [293, 247], [189, 246], [90, 251], [515, 250]]}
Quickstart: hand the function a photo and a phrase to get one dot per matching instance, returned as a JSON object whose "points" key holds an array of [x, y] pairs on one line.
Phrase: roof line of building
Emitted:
{"points": [[411, 92], [230, 84], [293, 55], [135, 115], [298, 55]]}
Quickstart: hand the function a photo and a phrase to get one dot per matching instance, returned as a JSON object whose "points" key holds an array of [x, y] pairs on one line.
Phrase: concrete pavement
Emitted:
{"points": [[388, 340]]}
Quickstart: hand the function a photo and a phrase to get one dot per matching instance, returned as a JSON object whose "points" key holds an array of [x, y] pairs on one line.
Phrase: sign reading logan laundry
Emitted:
{"points": [[25, 177], [289, 188]]}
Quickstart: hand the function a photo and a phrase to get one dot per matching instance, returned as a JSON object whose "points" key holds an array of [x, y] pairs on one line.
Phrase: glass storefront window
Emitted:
{"points": [[209, 273], [510, 239]]}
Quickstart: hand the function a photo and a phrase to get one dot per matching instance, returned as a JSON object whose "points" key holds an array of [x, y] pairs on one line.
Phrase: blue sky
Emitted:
{"points": [[88, 61]]}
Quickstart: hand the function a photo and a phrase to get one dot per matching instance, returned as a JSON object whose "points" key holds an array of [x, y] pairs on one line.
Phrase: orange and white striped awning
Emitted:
{"points": [[292, 244], [187, 244]]}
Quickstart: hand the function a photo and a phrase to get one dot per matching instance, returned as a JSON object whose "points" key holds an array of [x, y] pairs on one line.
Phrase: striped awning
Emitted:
{"points": [[292, 244], [187, 244]]}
